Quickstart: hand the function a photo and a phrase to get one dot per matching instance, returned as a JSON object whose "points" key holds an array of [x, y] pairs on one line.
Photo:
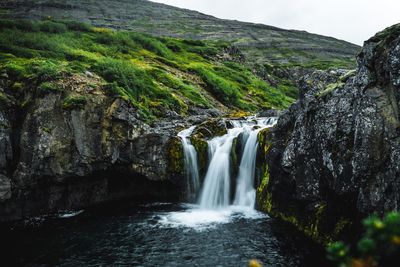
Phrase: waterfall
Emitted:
{"points": [[190, 164], [245, 191], [216, 190]]}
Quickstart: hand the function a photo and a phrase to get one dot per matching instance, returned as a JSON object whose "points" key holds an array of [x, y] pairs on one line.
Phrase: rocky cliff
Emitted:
{"points": [[59, 155], [334, 155]]}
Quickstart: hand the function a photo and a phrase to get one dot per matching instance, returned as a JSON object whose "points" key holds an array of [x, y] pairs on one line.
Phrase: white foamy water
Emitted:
{"points": [[199, 219], [191, 164], [70, 214], [215, 203], [216, 190]]}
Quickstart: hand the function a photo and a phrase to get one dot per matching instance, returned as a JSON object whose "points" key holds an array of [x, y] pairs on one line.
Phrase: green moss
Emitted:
{"points": [[209, 129], [349, 74], [308, 223], [264, 197], [74, 102], [175, 156], [201, 147], [4, 99], [329, 89], [49, 87], [17, 86], [342, 224]]}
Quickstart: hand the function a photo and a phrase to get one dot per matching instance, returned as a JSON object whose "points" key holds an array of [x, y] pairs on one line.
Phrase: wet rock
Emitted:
{"points": [[54, 158], [334, 155], [210, 128], [269, 113], [5, 188]]}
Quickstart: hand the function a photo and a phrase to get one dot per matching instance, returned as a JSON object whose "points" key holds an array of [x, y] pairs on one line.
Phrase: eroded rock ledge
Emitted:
{"points": [[334, 156], [59, 155]]}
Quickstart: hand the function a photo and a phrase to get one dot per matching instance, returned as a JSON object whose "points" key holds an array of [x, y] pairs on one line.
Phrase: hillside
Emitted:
{"points": [[259, 43], [161, 77]]}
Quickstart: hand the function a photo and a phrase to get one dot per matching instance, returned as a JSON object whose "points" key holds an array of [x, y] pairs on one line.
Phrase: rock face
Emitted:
{"points": [[334, 156], [55, 156]]}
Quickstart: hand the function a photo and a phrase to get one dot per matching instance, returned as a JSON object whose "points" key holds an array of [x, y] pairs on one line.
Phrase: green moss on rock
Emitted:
{"points": [[74, 102], [175, 156], [307, 220], [210, 129], [329, 89], [201, 147]]}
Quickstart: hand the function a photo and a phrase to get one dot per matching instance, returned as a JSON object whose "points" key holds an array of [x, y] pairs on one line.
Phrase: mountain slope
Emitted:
{"points": [[259, 43], [158, 76]]}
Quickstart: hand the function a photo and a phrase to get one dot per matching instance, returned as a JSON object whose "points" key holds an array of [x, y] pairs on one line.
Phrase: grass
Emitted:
{"points": [[154, 74]]}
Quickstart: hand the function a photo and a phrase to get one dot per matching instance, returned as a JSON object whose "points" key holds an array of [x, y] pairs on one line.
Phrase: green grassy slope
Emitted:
{"points": [[260, 44], [155, 74]]}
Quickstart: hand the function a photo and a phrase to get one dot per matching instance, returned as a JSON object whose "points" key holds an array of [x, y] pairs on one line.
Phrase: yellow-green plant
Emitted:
{"points": [[378, 246]]}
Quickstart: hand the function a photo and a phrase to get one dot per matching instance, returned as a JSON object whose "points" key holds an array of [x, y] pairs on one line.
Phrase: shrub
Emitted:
{"points": [[151, 44], [20, 24], [77, 26], [126, 75], [223, 90], [379, 245], [241, 77], [52, 27]]}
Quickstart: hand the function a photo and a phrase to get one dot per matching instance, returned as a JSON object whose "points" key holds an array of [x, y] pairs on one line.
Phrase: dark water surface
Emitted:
{"points": [[158, 235]]}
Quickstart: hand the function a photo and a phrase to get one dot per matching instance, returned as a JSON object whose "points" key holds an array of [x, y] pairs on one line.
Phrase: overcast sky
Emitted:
{"points": [[351, 20]]}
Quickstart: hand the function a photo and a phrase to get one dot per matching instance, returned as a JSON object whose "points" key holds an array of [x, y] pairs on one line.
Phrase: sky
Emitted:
{"points": [[351, 20]]}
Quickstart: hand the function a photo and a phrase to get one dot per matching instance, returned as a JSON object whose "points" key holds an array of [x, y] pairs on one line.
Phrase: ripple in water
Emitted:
{"points": [[159, 235]]}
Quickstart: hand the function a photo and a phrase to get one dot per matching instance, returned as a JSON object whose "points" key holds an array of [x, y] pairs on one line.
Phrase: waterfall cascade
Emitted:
{"points": [[216, 189], [191, 164]]}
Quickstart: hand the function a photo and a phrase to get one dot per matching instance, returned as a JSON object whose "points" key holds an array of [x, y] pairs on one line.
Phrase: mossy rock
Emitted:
{"points": [[317, 220], [201, 147], [48, 88], [329, 89], [175, 157], [6, 101], [235, 155], [210, 129], [74, 102]]}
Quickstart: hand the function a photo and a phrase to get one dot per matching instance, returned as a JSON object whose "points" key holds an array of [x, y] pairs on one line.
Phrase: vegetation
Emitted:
{"points": [[74, 102], [154, 74], [379, 246]]}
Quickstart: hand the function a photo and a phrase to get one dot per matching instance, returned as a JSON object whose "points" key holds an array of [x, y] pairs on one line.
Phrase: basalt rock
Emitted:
{"points": [[334, 156], [55, 156], [210, 128]]}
